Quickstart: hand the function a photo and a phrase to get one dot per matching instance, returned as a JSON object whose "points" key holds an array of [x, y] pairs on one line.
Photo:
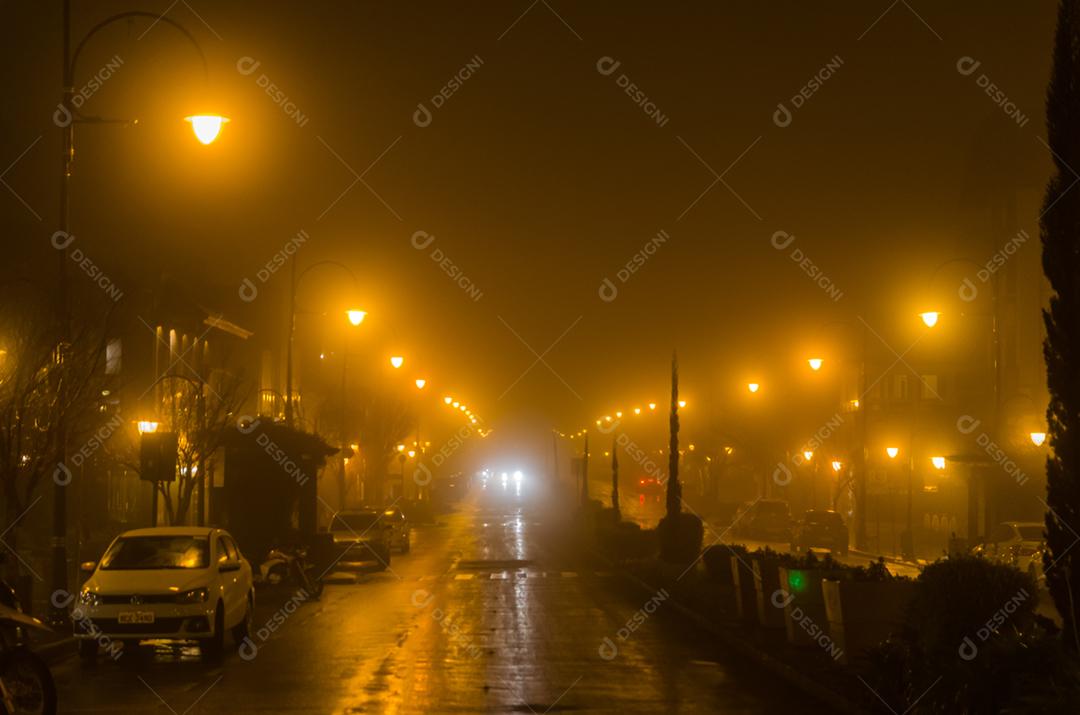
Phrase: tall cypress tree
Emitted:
{"points": [[615, 478], [674, 489], [1060, 228]]}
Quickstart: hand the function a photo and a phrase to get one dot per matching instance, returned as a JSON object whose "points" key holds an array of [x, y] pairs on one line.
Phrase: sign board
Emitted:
{"points": [[157, 457]]}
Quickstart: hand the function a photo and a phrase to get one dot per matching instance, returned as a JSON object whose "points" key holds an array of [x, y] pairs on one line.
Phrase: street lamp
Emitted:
{"points": [[930, 318], [682, 403], [447, 400], [420, 382], [206, 126], [147, 427], [294, 283], [356, 316], [892, 452], [938, 462], [815, 363], [837, 465], [652, 406], [1037, 438], [397, 361], [637, 410], [66, 117], [808, 455], [753, 387]]}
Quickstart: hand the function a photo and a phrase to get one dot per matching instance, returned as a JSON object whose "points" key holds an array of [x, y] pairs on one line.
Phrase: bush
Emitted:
{"points": [[971, 624], [625, 540], [680, 538]]}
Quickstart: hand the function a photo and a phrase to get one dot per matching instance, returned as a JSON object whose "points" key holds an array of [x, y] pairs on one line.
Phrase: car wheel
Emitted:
{"points": [[214, 646], [243, 629], [277, 574], [88, 651]]}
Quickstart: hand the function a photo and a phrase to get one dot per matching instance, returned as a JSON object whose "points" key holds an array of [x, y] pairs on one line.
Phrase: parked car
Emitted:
{"points": [[398, 524], [178, 583], [1018, 543], [820, 528], [361, 537], [763, 520]]}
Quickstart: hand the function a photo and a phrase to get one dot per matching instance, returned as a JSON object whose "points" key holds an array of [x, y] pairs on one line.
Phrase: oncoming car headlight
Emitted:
{"points": [[195, 595], [89, 598]]}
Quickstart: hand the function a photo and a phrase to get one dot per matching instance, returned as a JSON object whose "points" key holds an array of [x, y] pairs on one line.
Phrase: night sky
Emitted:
{"points": [[539, 176]]}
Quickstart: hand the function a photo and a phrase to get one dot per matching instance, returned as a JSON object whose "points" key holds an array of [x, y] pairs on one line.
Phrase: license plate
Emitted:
{"points": [[136, 617]]}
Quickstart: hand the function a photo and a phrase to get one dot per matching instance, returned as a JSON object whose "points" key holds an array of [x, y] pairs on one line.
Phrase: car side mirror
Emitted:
{"points": [[88, 566]]}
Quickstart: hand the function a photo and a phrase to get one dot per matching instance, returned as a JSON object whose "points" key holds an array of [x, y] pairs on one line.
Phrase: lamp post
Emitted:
{"points": [[67, 116], [997, 379], [294, 282], [356, 317]]}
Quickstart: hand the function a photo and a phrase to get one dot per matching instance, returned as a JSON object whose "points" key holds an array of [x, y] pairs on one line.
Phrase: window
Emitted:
{"points": [[900, 388], [113, 354]]}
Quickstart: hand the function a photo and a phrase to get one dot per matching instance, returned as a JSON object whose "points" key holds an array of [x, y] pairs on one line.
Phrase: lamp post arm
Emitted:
{"points": [[69, 70]]}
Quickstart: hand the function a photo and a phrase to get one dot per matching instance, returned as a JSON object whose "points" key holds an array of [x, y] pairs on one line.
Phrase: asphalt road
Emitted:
{"points": [[485, 615]]}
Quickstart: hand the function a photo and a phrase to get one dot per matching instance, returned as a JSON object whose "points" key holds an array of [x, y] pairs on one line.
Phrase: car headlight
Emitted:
{"points": [[195, 595], [89, 598]]}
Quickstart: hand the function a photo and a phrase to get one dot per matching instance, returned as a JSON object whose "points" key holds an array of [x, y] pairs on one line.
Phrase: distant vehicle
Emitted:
{"points": [[448, 490], [361, 536], [1017, 543], [649, 486], [763, 520], [176, 583], [398, 524], [820, 528]]}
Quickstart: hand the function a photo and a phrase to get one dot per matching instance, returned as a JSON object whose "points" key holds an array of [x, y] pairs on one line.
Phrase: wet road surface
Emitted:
{"points": [[481, 616]]}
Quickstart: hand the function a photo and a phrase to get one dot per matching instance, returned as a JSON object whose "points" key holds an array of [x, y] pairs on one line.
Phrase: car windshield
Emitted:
{"points": [[772, 508], [354, 522], [133, 553], [1030, 532]]}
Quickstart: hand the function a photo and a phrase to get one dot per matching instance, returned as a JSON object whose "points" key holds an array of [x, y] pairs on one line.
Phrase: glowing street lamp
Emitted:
{"points": [[938, 462], [447, 400], [837, 465], [637, 410], [930, 318], [753, 387], [1037, 438], [815, 363], [618, 414], [206, 126], [356, 316], [652, 406], [147, 427], [682, 403], [397, 361], [808, 455], [892, 452], [420, 382]]}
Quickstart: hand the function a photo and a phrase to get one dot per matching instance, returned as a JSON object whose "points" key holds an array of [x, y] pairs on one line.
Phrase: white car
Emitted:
{"points": [[175, 583]]}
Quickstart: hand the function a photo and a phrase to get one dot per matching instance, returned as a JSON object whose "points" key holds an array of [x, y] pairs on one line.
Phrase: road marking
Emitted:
{"points": [[463, 576], [499, 576]]}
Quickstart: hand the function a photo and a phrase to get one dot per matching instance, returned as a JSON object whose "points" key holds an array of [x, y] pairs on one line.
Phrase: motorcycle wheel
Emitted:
{"points": [[28, 683], [277, 574]]}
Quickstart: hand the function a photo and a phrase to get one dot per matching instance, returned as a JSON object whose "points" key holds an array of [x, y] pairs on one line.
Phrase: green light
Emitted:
{"points": [[797, 580]]}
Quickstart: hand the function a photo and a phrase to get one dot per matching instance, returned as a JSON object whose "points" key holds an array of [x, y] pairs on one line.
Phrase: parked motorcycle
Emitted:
{"points": [[26, 685], [291, 564]]}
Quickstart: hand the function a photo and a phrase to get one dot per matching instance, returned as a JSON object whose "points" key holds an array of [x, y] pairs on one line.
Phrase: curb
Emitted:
{"points": [[889, 559], [763, 659]]}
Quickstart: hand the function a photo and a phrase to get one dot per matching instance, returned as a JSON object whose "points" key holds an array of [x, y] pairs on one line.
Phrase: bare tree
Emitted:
{"points": [[42, 385]]}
